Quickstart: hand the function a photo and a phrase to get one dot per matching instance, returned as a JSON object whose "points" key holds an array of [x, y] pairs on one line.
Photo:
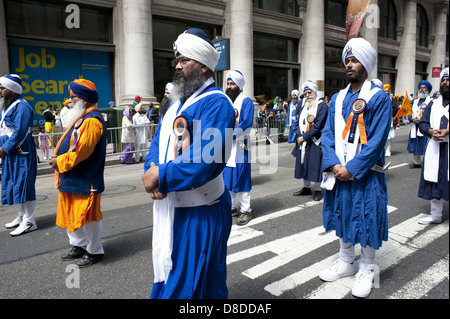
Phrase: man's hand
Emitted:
{"points": [[52, 162], [300, 140], [2, 153], [151, 182], [439, 135], [341, 173]]}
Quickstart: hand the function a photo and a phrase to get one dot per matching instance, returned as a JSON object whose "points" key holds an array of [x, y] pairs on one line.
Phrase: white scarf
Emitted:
{"points": [[303, 124], [414, 130], [238, 106], [432, 154]]}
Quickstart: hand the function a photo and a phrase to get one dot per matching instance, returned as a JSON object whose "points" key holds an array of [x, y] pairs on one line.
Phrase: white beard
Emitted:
{"points": [[422, 95], [311, 101], [74, 113]]}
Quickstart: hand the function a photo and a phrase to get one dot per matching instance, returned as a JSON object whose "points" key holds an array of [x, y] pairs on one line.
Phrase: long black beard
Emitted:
{"points": [[187, 83], [445, 92], [5, 102], [165, 103], [233, 94]]}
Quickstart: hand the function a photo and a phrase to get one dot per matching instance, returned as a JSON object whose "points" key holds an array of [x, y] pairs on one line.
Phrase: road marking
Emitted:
{"points": [[422, 284], [397, 166]]}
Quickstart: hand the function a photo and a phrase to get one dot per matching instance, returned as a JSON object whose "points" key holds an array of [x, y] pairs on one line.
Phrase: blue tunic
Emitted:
{"points": [[417, 145], [200, 233], [239, 179], [19, 170], [311, 169], [357, 210], [439, 190], [292, 113]]}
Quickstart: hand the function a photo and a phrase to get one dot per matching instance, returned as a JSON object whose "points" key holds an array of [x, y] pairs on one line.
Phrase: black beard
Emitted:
{"points": [[294, 101], [165, 103], [233, 94], [5, 102], [445, 92], [184, 85], [357, 78]]}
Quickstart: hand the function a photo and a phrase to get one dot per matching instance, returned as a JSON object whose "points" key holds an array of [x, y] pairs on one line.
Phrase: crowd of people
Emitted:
{"points": [[340, 147]]}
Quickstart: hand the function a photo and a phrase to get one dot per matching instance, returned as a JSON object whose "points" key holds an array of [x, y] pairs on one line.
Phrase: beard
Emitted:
{"points": [[233, 94], [422, 95], [164, 105], [294, 101], [5, 102], [356, 78], [186, 84], [74, 112], [311, 101], [445, 92]]}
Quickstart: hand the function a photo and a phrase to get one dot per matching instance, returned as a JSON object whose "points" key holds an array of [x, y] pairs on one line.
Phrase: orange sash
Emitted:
{"points": [[356, 118]]}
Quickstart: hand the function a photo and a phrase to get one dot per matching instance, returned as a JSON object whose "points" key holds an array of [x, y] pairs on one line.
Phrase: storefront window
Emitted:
{"points": [[289, 7], [336, 12], [388, 20], [422, 27], [48, 20]]}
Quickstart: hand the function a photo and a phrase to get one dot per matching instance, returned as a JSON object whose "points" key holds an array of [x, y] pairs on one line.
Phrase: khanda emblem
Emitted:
{"points": [[236, 114], [356, 121], [310, 119], [422, 108], [180, 128]]}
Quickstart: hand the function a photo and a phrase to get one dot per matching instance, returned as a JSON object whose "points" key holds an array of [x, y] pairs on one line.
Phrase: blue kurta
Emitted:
{"points": [[200, 233], [292, 115], [19, 170], [357, 210], [439, 190], [311, 169], [239, 179], [417, 145]]}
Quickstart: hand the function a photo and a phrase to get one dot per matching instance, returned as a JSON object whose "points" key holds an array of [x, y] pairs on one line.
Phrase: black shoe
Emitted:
{"points": [[74, 253], [89, 259], [304, 191], [415, 166], [317, 195], [244, 218], [234, 212]]}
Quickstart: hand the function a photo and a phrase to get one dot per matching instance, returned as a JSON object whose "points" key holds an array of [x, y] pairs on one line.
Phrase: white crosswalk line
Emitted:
{"points": [[422, 284], [388, 256], [243, 235]]}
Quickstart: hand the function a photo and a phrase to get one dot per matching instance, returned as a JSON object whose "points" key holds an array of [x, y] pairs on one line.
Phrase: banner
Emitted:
{"points": [[46, 73], [355, 16], [405, 109]]}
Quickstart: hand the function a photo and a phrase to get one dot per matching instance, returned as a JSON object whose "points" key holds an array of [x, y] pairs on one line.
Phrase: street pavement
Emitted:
{"points": [[278, 255]]}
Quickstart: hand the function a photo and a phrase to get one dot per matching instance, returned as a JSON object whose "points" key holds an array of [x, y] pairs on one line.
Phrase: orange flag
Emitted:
{"points": [[355, 15], [405, 109]]}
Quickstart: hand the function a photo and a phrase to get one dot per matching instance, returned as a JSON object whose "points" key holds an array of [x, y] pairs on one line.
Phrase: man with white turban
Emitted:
{"points": [[238, 173], [18, 154], [295, 94], [311, 115], [183, 174], [353, 140], [435, 173], [417, 142]]}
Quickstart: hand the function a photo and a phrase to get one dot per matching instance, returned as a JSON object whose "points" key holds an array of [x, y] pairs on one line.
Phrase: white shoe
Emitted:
{"points": [[16, 222], [24, 227], [339, 270], [387, 154], [364, 282], [430, 220]]}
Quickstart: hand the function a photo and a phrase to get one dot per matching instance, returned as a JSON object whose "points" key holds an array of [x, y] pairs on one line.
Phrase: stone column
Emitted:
{"points": [[406, 61], [137, 52], [313, 57], [438, 45], [240, 32]]}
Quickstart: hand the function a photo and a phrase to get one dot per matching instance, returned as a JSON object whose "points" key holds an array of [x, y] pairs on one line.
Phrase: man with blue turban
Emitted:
{"points": [[18, 154], [183, 174], [417, 141], [353, 140]]}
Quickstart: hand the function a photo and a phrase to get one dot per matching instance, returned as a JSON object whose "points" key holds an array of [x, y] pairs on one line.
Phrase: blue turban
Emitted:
{"points": [[427, 85]]}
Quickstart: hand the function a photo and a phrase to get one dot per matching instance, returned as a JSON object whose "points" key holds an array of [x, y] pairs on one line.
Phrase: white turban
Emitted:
{"points": [[169, 87], [237, 77], [444, 74], [194, 44], [378, 83], [363, 51], [12, 82], [296, 93], [310, 85]]}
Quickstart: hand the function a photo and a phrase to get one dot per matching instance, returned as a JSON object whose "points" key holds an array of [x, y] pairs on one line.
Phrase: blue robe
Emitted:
{"points": [[417, 145], [311, 169], [439, 190], [239, 179], [357, 210], [19, 170], [200, 233], [292, 113]]}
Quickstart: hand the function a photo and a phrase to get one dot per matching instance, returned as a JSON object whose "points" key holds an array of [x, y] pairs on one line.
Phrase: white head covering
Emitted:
{"points": [[295, 92], [310, 85], [363, 51], [378, 83], [237, 77], [12, 82], [169, 87], [444, 74], [195, 44]]}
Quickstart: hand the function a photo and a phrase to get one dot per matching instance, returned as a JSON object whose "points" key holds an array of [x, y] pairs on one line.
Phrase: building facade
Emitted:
{"points": [[126, 46]]}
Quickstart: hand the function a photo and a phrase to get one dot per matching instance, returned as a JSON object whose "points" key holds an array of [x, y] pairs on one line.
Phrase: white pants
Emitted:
{"points": [[347, 253], [307, 184], [27, 210], [140, 151], [437, 205], [88, 237], [243, 198]]}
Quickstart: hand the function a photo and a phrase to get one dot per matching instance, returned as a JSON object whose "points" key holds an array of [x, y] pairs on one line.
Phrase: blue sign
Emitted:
{"points": [[222, 45], [46, 73]]}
